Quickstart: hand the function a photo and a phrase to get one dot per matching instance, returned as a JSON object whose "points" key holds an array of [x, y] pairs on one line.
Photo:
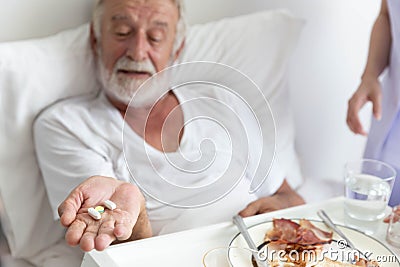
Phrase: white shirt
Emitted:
{"points": [[211, 171]]}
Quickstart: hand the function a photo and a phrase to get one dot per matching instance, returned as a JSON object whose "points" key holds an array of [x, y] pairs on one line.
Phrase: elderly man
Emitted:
{"points": [[81, 137]]}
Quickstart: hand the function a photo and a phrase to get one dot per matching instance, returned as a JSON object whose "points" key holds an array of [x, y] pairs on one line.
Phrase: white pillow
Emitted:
{"points": [[36, 73], [259, 45]]}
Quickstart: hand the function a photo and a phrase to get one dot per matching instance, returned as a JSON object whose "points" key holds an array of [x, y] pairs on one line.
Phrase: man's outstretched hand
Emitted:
{"points": [[127, 222]]}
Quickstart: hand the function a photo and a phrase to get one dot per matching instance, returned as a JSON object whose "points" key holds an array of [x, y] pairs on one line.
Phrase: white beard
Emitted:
{"points": [[125, 89]]}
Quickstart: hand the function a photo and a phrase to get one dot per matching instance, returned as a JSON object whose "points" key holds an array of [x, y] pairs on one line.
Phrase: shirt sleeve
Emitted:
{"points": [[64, 160]]}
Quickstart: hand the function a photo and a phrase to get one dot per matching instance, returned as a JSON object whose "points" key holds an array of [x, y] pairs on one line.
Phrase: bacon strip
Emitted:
{"points": [[289, 235], [318, 233], [288, 232]]}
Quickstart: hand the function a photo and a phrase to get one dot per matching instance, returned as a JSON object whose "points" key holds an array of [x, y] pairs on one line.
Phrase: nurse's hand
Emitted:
{"points": [[396, 210], [368, 90], [127, 222]]}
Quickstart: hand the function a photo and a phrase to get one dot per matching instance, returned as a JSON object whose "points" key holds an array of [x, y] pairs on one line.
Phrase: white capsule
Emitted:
{"points": [[110, 205], [94, 214]]}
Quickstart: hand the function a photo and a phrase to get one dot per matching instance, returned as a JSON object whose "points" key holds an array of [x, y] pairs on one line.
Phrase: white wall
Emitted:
{"points": [[20, 19], [325, 71]]}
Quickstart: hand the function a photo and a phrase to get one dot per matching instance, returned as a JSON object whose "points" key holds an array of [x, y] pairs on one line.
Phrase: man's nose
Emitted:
{"points": [[139, 47]]}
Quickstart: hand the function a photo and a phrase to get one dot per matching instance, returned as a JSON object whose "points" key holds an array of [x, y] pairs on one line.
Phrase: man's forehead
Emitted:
{"points": [[163, 7], [157, 22]]}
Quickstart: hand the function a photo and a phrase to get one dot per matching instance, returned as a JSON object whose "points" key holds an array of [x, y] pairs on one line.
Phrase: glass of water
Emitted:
{"points": [[368, 185]]}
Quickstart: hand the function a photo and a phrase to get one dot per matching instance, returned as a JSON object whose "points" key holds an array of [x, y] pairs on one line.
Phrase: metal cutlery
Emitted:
{"points": [[325, 218], [238, 221]]}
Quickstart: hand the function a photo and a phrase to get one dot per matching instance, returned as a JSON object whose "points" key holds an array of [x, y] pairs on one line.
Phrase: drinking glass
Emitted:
{"points": [[368, 185], [393, 231]]}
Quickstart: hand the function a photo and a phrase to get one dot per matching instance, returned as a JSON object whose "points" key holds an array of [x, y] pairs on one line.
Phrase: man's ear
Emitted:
{"points": [[178, 52], [93, 41]]}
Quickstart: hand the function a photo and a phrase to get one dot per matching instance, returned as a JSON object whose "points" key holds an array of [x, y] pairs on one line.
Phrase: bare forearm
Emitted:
{"points": [[142, 227], [379, 48]]}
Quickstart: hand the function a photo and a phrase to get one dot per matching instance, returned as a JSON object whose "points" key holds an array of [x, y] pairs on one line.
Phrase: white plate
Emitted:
{"points": [[362, 242]]}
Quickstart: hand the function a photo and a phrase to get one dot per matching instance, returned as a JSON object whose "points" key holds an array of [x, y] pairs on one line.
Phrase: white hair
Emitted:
{"points": [[180, 27]]}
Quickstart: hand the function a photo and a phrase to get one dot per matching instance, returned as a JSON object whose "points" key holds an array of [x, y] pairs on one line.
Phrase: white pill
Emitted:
{"points": [[94, 214], [110, 205]]}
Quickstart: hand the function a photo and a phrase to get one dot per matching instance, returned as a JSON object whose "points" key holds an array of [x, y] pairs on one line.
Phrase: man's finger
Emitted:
{"points": [[268, 208], [251, 209], [74, 232], [123, 226], [88, 239], [105, 235], [68, 211]]}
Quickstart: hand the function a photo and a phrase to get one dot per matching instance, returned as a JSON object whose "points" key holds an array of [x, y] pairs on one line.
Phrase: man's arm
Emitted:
{"points": [[127, 222], [67, 158], [285, 197]]}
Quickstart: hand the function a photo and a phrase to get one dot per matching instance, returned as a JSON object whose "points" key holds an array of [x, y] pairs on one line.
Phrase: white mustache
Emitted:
{"points": [[129, 65]]}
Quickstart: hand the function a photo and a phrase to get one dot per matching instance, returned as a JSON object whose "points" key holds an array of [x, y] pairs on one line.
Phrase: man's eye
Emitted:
{"points": [[122, 33], [155, 39]]}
